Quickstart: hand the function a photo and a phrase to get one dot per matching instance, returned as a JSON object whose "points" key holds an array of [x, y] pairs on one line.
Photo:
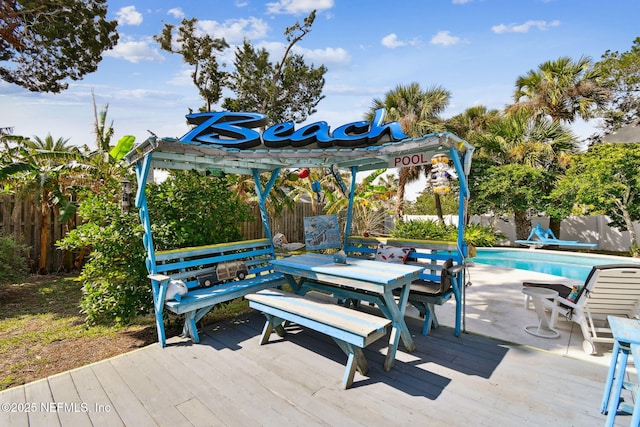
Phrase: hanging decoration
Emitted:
{"points": [[441, 174], [303, 173]]}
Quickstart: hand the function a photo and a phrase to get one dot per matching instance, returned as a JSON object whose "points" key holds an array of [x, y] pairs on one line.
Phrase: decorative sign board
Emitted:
{"points": [[322, 232], [416, 159]]}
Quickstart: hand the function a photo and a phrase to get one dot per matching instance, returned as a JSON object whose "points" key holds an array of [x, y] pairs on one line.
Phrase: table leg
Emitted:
{"points": [[542, 316], [543, 328], [616, 388], [608, 385], [399, 328]]}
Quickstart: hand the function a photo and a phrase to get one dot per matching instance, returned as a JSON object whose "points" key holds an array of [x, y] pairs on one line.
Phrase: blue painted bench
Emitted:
{"points": [[352, 330], [212, 274], [432, 288]]}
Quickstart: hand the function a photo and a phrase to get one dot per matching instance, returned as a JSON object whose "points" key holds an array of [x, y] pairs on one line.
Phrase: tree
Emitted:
{"points": [[103, 131], [48, 41], [621, 75], [418, 112], [562, 90], [288, 90], [369, 203], [606, 181], [512, 188], [425, 204], [520, 139], [42, 170], [199, 51], [472, 122]]}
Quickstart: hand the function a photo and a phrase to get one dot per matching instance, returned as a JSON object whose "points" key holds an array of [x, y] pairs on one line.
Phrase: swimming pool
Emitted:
{"points": [[571, 265]]}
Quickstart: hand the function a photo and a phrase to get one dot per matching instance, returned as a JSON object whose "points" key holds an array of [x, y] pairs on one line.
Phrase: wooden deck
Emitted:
{"points": [[229, 380]]}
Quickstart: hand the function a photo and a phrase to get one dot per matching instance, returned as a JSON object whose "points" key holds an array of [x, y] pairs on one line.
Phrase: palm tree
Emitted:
{"points": [[103, 131], [41, 169], [472, 122], [521, 139], [562, 90], [418, 112]]}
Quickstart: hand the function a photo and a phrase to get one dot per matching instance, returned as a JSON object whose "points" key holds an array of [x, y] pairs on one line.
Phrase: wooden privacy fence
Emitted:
{"points": [[21, 219], [288, 222]]}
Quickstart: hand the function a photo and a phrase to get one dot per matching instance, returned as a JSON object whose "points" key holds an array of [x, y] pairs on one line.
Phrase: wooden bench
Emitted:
{"points": [[429, 290], [213, 274], [352, 330]]}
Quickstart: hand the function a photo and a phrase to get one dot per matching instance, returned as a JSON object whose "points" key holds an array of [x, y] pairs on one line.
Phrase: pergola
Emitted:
{"points": [[224, 141], [229, 142]]}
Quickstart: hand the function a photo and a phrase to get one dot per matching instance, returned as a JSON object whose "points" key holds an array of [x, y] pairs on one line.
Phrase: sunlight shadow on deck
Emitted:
{"points": [[305, 355]]}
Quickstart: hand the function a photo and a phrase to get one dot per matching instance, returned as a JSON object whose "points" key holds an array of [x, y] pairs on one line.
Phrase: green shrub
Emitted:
{"points": [[13, 261], [474, 234], [479, 235], [115, 287], [191, 209], [425, 230], [188, 209]]}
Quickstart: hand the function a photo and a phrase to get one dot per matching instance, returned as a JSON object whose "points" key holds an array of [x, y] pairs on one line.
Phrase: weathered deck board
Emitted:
{"points": [[64, 390], [122, 399], [229, 379]]}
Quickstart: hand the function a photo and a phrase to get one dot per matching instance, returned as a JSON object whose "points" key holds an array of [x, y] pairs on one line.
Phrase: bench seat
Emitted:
{"points": [[429, 290], [212, 274], [205, 297], [352, 330]]}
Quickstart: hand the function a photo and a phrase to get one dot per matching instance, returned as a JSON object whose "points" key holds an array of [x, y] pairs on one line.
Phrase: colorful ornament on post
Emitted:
{"points": [[441, 173], [303, 173]]}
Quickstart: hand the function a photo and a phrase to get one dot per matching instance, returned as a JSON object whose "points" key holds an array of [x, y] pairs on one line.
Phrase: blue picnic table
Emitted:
{"points": [[359, 279]]}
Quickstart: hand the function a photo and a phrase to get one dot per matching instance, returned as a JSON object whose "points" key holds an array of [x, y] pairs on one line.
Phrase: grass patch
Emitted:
{"points": [[42, 331]]}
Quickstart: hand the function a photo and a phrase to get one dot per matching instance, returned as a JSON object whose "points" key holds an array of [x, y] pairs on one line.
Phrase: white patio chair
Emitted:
{"points": [[612, 289]]}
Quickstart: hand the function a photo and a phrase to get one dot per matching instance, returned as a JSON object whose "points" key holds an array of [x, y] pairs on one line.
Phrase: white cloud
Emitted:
{"points": [[183, 78], [323, 56], [295, 7], [176, 12], [129, 16], [235, 30], [524, 28], [242, 3], [391, 41], [355, 90], [135, 51], [461, 1], [329, 55], [445, 38]]}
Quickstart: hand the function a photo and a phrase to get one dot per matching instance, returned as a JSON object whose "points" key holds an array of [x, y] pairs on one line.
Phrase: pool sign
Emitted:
{"points": [[236, 130], [416, 159]]}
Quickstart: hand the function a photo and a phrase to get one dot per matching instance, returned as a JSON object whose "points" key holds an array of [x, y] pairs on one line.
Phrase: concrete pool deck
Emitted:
{"points": [[495, 308]]}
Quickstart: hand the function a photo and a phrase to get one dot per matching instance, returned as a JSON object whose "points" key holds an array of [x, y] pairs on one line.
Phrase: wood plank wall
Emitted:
{"points": [[21, 219], [288, 222]]}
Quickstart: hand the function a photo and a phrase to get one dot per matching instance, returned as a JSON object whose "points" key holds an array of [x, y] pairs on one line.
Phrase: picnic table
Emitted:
{"points": [[358, 279]]}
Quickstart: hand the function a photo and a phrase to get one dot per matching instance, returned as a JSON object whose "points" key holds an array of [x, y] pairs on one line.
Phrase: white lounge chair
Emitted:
{"points": [[608, 290]]}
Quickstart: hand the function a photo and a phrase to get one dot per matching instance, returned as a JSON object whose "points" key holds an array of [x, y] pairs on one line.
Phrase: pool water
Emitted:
{"points": [[571, 265]]}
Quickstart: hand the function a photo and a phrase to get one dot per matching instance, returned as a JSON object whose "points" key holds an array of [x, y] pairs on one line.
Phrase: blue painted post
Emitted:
{"points": [[460, 287], [464, 194], [352, 191], [262, 198], [142, 173]]}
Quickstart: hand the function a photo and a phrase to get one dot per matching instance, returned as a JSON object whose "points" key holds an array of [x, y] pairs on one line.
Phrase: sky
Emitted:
{"points": [[476, 49]]}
